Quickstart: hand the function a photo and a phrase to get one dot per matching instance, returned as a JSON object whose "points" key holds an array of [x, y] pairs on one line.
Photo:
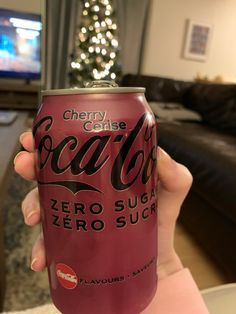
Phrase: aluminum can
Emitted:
{"points": [[97, 179]]}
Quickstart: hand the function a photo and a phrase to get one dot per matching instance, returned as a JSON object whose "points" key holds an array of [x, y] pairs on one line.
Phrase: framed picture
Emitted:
{"points": [[197, 40]]}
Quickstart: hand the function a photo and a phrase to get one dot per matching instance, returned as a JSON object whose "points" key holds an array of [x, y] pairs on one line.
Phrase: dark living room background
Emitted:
{"points": [[183, 53]]}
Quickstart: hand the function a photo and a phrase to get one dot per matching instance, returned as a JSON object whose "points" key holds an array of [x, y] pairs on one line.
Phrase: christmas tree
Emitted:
{"points": [[96, 55]]}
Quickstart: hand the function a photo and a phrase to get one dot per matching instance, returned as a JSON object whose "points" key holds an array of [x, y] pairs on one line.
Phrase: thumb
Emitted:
{"points": [[174, 183]]}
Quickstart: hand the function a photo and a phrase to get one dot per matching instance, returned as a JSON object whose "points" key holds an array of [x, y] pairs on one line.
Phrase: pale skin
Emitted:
{"points": [[173, 185]]}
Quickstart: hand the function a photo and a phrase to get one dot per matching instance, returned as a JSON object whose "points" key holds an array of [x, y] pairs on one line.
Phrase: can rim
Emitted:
{"points": [[97, 90]]}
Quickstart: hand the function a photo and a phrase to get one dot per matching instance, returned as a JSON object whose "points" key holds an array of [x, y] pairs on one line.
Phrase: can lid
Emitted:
{"points": [[95, 87]]}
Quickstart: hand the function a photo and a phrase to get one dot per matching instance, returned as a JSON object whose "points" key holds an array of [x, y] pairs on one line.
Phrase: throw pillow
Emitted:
{"points": [[173, 112]]}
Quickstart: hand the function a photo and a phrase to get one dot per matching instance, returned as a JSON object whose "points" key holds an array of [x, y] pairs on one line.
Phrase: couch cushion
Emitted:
{"points": [[215, 102], [211, 158], [170, 111], [158, 88]]}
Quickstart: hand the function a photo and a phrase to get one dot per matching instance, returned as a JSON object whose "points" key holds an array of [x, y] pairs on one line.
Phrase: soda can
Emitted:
{"points": [[97, 179]]}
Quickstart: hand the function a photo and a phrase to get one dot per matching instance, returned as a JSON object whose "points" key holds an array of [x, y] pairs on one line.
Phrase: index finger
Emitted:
{"points": [[26, 140]]}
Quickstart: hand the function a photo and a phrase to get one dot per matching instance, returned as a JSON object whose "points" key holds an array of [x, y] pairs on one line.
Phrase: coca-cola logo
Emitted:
{"points": [[141, 163], [66, 276]]}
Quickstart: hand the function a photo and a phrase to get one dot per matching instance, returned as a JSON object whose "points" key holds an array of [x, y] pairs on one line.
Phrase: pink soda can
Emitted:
{"points": [[97, 179]]}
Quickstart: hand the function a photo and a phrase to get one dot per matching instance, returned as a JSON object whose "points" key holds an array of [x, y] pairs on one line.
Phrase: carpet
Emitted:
{"points": [[24, 288], [44, 309]]}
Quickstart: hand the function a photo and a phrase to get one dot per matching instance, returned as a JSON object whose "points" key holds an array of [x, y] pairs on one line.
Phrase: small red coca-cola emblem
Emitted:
{"points": [[66, 276]]}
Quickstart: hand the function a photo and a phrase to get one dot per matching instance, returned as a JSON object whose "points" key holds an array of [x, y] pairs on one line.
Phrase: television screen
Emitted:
{"points": [[20, 45]]}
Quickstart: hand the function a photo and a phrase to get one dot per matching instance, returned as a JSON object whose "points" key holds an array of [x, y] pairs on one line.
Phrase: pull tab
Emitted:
{"points": [[101, 83]]}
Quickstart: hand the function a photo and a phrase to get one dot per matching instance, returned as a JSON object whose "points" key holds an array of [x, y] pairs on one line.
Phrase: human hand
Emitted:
{"points": [[174, 183]]}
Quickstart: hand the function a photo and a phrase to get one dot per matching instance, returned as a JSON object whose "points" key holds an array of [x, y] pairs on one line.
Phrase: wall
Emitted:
{"points": [[31, 6], [165, 38]]}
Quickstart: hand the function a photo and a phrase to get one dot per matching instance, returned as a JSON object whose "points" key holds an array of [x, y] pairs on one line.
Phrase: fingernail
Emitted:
{"points": [[163, 153], [165, 160], [33, 263], [22, 137], [31, 214], [17, 155]]}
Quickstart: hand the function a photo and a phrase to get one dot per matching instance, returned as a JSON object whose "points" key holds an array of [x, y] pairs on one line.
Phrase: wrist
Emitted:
{"points": [[177, 293], [170, 266]]}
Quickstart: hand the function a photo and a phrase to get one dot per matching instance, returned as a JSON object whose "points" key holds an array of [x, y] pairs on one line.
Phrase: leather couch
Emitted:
{"points": [[208, 149]]}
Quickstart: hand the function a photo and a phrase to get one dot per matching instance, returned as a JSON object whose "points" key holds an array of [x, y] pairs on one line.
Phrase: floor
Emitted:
{"points": [[24, 288], [205, 272]]}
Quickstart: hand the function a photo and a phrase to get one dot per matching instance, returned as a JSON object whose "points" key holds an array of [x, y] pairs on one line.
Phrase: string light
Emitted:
{"points": [[109, 34], [75, 65], [108, 66], [98, 50], [97, 24], [82, 37], [114, 42], [108, 21], [96, 8], [112, 55], [103, 41], [83, 56], [94, 39], [91, 49], [104, 52], [96, 74]]}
